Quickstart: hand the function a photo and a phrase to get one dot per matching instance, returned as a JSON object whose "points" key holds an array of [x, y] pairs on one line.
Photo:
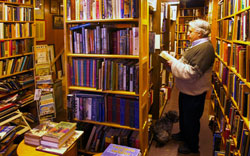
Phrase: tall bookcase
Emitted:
{"points": [[230, 98], [133, 17], [184, 16], [158, 74], [17, 39]]}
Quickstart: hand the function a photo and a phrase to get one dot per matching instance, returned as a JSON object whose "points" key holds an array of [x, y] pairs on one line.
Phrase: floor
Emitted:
{"points": [[206, 138]]}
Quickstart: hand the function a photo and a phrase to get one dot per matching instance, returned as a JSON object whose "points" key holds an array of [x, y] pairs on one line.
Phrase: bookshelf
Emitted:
{"points": [[184, 16], [158, 74], [231, 74], [17, 31], [113, 61]]}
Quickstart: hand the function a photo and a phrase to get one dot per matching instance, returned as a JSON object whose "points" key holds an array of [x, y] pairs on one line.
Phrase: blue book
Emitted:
{"points": [[93, 109], [5, 131], [80, 26], [119, 150], [91, 73], [136, 105], [122, 111], [23, 63]]}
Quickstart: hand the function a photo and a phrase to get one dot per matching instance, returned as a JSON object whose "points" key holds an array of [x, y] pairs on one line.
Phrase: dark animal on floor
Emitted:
{"points": [[162, 128]]}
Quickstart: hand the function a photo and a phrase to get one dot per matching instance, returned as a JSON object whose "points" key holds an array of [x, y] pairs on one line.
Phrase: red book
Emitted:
{"points": [[6, 106]]}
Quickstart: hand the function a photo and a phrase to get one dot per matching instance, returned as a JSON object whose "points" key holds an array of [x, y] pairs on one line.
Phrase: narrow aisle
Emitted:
{"points": [[206, 138]]}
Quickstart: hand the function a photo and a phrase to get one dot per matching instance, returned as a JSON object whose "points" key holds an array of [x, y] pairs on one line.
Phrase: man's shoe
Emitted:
{"points": [[177, 137], [184, 149]]}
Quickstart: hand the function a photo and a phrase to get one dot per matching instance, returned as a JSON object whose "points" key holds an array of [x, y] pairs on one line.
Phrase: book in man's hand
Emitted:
{"points": [[165, 55]]}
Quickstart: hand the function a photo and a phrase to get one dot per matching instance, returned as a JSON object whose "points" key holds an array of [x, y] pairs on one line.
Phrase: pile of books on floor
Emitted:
{"points": [[7, 137], [53, 137]]}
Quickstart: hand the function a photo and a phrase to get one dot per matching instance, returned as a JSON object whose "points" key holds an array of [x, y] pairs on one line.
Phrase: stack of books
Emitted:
{"points": [[33, 137], [58, 135], [7, 137]]}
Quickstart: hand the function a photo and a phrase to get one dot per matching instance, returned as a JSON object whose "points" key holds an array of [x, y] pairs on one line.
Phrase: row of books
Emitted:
{"points": [[101, 9], [243, 23], [229, 7], [14, 65], [15, 30], [183, 28], [15, 47], [192, 12], [105, 40], [226, 28], [8, 85], [183, 44], [105, 74], [98, 137], [236, 58], [123, 110], [182, 36], [238, 90], [16, 13], [232, 128]]}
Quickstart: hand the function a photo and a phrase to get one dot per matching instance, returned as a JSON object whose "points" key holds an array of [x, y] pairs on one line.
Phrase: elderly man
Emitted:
{"points": [[193, 79]]}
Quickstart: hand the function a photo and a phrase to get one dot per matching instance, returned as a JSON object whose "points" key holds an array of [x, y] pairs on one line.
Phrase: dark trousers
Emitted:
{"points": [[190, 111]]}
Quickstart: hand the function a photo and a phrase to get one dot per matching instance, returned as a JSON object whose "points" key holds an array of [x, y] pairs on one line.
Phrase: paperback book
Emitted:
{"points": [[119, 150], [65, 146]]}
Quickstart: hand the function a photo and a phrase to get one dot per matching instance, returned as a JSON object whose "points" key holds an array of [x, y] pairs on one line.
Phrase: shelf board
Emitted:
{"points": [[3, 21], [25, 129], [88, 152], [188, 16], [183, 39], [19, 55], [20, 38], [241, 42], [104, 56], [12, 92], [104, 20], [17, 73], [102, 91], [11, 118], [108, 124]]}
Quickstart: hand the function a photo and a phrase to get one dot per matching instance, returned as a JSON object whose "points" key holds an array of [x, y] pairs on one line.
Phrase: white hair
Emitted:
{"points": [[201, 26]]}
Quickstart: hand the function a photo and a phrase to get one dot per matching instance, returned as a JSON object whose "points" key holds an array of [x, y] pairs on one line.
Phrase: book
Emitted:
{"points": [[165, 55], [59, 132], [33, 137], [64, 147], [5, 131], [119, 150]]}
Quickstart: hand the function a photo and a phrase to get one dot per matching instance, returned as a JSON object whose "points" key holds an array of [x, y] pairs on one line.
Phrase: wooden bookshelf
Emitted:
{"points": [[17, 56], [184, 16], [141, 59], [232, 73]]}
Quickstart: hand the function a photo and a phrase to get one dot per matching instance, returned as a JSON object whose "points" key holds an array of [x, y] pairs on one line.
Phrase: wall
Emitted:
{"points": [[52, 36]]}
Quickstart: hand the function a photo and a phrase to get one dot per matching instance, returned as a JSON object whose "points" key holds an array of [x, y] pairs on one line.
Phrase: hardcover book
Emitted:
{"points": [[119, 150]]}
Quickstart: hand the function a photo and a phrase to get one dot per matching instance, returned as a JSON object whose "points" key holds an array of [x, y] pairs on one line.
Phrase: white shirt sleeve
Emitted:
{"points": [[184, 71]]}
